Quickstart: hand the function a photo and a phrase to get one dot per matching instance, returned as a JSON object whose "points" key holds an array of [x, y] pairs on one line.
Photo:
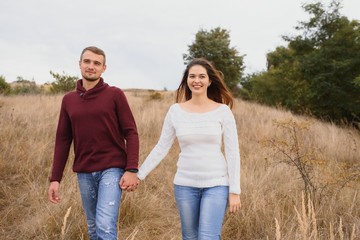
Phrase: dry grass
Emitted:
{"points": [[272, 202]]}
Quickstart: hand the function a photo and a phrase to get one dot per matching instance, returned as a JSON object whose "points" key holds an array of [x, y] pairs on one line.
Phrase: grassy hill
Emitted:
{"points": [[285, 160]]}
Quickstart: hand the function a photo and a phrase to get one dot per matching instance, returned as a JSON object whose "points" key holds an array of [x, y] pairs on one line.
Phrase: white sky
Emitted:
{"points": [[144, 40]]}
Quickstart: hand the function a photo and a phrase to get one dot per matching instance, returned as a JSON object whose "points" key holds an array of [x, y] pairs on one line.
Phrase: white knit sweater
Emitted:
{"points": [[201, 162]]}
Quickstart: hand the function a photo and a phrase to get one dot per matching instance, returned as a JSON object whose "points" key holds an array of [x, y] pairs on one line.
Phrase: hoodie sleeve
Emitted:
{"points": [[63, 141], [128, 126]]}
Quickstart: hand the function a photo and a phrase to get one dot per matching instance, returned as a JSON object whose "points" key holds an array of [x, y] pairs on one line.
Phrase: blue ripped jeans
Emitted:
{"points": [[202, 211], [101, 194]]}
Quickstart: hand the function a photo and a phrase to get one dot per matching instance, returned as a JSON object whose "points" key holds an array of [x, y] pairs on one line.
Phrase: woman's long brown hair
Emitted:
{"points": [[217, 91]]}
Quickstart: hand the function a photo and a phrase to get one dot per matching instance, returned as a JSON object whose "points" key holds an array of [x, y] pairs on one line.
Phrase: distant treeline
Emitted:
{"points": [[63, 83], [317, 73]]}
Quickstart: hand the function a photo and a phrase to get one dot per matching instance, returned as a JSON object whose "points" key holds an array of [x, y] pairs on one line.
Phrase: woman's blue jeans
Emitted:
{"points": [[100, 193], [201, 210]]}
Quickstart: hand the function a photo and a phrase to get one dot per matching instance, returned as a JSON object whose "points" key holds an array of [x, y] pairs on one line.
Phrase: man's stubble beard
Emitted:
{"points": [[90, 79]]}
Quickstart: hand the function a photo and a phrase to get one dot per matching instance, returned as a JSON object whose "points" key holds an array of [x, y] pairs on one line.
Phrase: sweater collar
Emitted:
{"points": [[98, 87]]}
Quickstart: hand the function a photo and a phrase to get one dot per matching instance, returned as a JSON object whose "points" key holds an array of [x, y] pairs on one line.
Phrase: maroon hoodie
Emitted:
{"points": [[101, 125]]}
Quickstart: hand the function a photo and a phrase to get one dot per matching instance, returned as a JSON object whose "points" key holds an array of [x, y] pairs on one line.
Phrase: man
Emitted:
{"points": [[98, 119]]}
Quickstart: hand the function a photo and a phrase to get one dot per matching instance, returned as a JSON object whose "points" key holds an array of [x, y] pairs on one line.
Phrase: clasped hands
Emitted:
{"points": [[129, 182]]}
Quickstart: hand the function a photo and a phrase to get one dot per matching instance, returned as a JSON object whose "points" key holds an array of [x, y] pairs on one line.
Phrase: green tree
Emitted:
{"points": [[4, 86], [63, 82], [332, 65], [282, 84], [214, 45], [318, 71]]}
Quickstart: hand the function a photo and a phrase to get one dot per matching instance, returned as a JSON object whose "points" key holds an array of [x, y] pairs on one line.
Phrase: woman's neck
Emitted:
{"points": [[200, 100], [199, 105]]}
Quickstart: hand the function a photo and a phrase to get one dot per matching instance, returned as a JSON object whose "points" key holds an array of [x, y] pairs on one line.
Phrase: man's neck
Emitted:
{"points": [[89, 84]]}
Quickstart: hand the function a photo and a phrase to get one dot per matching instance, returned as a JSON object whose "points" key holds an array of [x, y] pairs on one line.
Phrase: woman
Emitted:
{"points": [[205, 181]]}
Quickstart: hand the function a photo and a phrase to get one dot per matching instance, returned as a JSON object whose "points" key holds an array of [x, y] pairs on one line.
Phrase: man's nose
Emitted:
{"points": [[91, 65]]}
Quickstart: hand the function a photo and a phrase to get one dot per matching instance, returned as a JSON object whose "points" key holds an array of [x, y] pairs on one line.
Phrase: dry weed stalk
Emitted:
{"points": [[63, 228], [133, 234], [352, 236], [341, 233], [277, 227], [331, 232], [307, 219]]}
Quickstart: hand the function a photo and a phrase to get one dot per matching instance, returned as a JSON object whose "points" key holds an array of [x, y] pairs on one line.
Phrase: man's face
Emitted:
{"points": [[92, 66]]}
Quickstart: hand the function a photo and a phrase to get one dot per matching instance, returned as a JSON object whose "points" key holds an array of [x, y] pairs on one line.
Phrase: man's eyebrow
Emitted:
{"points": [[89, 60]]}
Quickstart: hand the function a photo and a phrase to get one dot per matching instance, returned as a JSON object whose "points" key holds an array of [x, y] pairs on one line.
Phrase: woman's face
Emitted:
{"points": [[198, 80]]}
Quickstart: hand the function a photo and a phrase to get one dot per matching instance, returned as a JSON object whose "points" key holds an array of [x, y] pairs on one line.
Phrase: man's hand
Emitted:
{"points": [[54, 192], [234, 202], [129, 181]]}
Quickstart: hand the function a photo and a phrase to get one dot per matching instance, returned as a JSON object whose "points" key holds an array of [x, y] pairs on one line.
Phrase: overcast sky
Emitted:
{"points": [[144, 40]]}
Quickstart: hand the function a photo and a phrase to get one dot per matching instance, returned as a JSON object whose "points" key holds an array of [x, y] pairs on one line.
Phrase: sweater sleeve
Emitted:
{"points": [[128, 126], [163, 146], [232, 152], [63, 141]]}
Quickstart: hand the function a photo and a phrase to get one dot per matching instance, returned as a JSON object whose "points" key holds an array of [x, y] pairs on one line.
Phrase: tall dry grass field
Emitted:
{"points": [[275, 203]]}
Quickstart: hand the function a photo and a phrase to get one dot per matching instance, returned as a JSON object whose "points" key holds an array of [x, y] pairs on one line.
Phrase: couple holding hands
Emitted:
{"points": [[97, 119]]}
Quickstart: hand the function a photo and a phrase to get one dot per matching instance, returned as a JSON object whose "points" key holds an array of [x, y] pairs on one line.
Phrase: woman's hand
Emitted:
{"points": [[234, 202], [129, 181]]}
